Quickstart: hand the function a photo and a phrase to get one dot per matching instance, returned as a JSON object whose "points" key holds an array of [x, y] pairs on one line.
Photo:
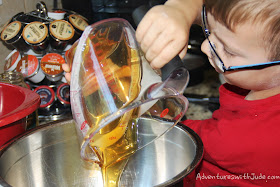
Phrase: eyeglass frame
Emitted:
{"points": [[223, 68]]}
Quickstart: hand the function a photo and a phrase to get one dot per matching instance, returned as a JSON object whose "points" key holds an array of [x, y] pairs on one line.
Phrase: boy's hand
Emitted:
{"points": [[163, 33], [66, 68]]}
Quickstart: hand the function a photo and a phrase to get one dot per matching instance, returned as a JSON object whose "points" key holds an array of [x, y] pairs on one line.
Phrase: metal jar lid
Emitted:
{"points": [[47, 96], [12, 32], [35, 33], [63, 93], [12, 35], [51, 64], [61, 30], [78, 22], [57, 14]]}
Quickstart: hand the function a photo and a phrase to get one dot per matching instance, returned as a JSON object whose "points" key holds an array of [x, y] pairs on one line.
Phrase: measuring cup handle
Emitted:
{"points": [[170, 67]]}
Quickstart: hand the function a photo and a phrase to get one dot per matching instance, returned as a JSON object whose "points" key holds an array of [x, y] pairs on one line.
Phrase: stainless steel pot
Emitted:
{"points": [[49, 156]]}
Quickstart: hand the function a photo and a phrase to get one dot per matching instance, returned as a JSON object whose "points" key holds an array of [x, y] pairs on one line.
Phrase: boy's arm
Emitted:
{"points": [[190, 8], [164, 31]]}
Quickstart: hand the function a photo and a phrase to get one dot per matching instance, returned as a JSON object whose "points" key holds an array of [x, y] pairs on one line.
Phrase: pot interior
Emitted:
{"points": [[50, 156]]}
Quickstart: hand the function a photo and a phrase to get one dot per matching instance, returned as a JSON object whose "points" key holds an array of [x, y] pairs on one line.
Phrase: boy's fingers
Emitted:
{"points": [[66, 68], [167, 54], [151, 36], [183, 52], [157, 46], [68, 77], [142, 28]]}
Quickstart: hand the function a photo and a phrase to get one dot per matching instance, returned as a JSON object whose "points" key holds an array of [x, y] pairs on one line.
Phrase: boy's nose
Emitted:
{"points": [[205, 48]]}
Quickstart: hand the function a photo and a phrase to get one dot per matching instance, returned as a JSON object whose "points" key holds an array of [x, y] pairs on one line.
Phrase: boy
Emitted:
{"points": [[241, 140]]}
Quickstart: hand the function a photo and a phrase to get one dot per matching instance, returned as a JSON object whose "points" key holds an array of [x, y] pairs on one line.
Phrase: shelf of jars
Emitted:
{"points": [[40, 41]]}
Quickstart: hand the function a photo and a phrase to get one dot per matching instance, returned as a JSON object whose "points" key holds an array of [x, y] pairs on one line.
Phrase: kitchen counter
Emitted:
{"points": [[209, 87]]}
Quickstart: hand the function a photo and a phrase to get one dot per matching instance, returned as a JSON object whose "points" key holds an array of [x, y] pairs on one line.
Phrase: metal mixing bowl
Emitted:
{"points": [[49, 157]]}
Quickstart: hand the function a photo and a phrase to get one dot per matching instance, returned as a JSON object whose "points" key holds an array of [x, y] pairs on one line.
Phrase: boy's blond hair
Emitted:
{"points": [[263, 13]]}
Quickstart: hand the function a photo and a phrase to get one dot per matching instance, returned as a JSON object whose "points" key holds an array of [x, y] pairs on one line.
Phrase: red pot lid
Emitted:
{"points": [[16, 102]]}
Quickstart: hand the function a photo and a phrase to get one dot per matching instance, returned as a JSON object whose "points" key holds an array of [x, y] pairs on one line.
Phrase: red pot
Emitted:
{"points": [[15, 104]]}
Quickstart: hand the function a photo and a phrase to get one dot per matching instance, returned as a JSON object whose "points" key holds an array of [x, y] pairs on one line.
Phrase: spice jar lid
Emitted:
{"points": [[47, 95], [12, 60], [28, 65], [63, 93], [35, 32], [51, 64], [11, 30], [78, 22], [57, 14], [61, 29]]}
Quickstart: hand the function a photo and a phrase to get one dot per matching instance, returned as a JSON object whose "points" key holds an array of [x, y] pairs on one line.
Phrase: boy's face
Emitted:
{"points": [[241, 47]]}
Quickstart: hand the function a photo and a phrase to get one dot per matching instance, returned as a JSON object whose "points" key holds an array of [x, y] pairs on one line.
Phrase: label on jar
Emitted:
{"points": [[35, 32], [11, 30], [51, 64], [62, 30], [78, 22], [63, 93], [11, 60], [28, 65], [46, 94]]}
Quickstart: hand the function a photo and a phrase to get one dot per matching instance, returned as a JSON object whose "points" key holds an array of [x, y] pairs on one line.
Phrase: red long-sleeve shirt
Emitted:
{"points": [[241, 141]]}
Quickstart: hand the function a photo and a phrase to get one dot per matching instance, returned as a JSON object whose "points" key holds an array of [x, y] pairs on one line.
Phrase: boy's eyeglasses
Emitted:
{"points": [[218, 61]]}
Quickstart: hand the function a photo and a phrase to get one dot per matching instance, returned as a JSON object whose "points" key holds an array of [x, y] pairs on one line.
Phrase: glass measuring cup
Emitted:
{"points": [[112, 86]]}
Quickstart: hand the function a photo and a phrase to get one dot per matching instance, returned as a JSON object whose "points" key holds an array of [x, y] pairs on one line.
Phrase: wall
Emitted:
{"points": [[8, 9]]}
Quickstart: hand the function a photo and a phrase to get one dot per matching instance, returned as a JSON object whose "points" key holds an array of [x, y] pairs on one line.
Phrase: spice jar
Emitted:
{"points": [[12, 35], [63, 94], [12, 60], [16, 78], [61, 32], [51, 64], [30, 68], [36, 35], [47, 96]]}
